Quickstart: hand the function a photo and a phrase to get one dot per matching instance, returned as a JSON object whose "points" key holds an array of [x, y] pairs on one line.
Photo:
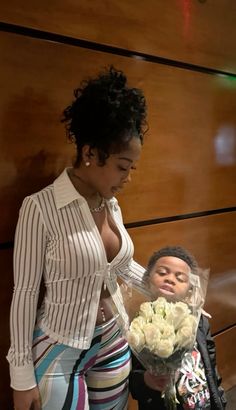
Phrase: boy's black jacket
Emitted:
{"points": [[149, 399]]}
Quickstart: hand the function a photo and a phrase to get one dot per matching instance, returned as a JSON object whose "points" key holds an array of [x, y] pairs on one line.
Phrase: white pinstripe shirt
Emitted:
{"points": [[57, 238]]}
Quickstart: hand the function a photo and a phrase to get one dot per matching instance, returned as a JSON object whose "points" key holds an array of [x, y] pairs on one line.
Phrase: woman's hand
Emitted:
{"points": [[27, 399], [156, 382]]}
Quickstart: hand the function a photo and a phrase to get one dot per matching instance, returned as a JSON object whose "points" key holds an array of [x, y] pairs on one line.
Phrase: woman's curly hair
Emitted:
{"points": [[105, 114]]}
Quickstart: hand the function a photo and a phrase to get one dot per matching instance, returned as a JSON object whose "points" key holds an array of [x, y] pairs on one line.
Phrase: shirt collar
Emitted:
{"points": [[65, 192]]}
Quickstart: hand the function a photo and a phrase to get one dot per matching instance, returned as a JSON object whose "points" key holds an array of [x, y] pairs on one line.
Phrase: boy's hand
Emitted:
{"points": [[156, 382]]}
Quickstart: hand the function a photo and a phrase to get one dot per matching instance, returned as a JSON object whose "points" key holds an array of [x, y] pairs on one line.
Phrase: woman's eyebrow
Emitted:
{"points": [[126, 159]]}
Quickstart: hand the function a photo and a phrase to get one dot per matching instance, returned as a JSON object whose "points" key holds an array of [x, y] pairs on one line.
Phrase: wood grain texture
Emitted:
{"points": [[226, 357], [183, 168], [132, 404], [188, 162], [211, 240], [201, 33]]}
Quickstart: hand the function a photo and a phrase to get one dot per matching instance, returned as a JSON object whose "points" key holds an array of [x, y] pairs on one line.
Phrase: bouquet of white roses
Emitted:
{"points": [[160, 331], [162, 328]]}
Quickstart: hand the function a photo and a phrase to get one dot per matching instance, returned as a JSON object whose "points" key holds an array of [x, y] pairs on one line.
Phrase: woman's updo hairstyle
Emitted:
{"points": [[105, 114]]}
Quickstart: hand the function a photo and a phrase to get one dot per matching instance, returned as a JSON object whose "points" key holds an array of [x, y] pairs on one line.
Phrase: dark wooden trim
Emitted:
{"points": [[156, 221], [179, 217], [104, 48]]}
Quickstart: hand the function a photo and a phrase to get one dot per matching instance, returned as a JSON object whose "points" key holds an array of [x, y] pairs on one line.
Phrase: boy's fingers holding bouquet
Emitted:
{"points": [[156, 382]]}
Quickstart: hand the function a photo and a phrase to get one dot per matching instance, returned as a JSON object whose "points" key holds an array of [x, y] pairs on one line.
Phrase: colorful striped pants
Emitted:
{"points": [[74, 379]]}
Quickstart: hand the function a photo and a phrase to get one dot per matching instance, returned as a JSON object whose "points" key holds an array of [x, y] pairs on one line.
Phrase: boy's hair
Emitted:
{"points": [[177, 252]]}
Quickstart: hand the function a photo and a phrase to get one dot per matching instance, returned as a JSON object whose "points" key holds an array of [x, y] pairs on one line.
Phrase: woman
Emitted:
{"points": [[71, 234]]}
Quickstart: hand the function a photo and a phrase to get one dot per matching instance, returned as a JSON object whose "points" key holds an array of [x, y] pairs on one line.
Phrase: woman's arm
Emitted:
{"points": [[29, 250], [134, 274]]}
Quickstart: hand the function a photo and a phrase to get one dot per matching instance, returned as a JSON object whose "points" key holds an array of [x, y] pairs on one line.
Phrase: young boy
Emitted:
{"points": [[198, 383]]}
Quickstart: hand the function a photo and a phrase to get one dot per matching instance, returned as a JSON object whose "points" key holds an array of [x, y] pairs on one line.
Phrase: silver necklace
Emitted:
{"points": [[98, 208]]}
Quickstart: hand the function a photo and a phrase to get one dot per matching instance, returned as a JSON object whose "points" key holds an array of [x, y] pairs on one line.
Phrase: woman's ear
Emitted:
{"points": [[88, 154]]}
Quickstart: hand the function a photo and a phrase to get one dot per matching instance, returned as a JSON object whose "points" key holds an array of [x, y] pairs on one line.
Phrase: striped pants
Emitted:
{"points": [[74, 379]]}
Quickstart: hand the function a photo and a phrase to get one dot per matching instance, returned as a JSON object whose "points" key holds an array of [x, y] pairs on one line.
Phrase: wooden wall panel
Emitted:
{"points": [[221, 301], [226, 357], [188, 163], [197, 32], [132, 404], [182, 169], [211, 240]]}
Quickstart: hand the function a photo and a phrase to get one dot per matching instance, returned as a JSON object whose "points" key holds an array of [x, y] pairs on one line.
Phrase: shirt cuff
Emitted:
{"points": [[22, 377]]}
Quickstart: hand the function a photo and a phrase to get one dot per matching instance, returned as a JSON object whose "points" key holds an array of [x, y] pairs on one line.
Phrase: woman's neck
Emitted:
{"points": [[82, 186]]}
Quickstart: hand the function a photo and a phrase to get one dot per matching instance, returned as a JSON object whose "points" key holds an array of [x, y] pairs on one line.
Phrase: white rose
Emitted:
{"points": [[164, 348], [177, 313], [136, 339], [151, 334], [168, 331], [182, 308], [165, 328], [185, 336], [160, 306], [190, 321], [146, 310], [158, 321], [138, 323]]}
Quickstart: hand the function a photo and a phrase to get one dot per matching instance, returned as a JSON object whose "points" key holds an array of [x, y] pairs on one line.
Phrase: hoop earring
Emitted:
{"points": [[87, 163]]}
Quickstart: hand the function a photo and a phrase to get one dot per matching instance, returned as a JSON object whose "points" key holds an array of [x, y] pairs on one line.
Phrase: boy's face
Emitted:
{"points": [[169, 277]]}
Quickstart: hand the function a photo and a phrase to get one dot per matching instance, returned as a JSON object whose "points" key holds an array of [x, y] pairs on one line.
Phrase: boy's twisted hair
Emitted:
{"points": [[178, 252]]}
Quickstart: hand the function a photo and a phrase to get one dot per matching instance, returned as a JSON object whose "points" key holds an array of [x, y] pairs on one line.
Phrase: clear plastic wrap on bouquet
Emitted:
{"points": [[161, 330]]}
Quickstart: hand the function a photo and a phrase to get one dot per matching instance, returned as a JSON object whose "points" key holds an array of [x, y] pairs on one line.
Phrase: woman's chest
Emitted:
{"points": [[110, 234], [78, 247]]}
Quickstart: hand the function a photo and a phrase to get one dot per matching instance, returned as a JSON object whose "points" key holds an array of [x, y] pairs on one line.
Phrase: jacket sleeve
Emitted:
{"points": [[212, 354]]}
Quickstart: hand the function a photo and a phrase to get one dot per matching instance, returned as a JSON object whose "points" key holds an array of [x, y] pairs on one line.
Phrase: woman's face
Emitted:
{"points": [[110, 178], [170, 278]]}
